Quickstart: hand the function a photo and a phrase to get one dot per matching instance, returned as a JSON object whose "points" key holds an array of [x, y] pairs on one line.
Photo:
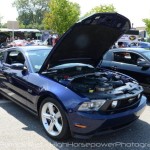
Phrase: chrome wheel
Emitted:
{"points": [[51, 119]]}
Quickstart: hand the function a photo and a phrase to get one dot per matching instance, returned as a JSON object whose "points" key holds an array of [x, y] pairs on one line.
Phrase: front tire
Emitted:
{"points": [[54, 120]]}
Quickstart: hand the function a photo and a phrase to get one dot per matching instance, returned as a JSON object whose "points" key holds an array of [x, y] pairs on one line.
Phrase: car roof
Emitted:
{"points": [[132, 49], [144, 42], [29, 48]]}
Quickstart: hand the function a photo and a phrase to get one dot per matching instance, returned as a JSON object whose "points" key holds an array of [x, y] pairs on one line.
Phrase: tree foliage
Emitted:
{"points": [[31, 12], [147, 24], [101, 8], [61, 16]]}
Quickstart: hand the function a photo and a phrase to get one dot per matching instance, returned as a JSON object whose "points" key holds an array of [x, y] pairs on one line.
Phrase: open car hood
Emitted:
{"points": [[87, 40]]}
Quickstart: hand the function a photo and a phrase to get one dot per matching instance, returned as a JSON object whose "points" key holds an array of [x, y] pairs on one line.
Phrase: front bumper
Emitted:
{"points": [[97, 123]]}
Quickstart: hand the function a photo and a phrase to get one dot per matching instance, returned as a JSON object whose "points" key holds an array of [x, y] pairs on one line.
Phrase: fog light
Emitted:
{"points": [[139, 96], [114, 104]]}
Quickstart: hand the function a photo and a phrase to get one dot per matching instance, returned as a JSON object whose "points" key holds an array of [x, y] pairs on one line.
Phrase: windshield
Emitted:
{"points": [[37, 58]]}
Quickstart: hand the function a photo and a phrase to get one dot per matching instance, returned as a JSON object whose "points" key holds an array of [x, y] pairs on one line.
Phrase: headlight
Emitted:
{"points": [[114, 104], [93, 105]]}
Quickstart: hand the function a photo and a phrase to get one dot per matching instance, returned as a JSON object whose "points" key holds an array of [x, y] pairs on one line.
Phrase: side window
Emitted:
{"points": [[136, 58], [15, 57], [126, 57], [123, 57]]}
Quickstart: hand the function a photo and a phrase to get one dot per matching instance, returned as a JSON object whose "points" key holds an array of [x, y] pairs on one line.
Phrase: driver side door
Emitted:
{"points": [[15, 82]]}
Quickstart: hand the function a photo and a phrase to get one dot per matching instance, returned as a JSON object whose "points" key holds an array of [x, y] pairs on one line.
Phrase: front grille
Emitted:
{"points": [[122, 105]]}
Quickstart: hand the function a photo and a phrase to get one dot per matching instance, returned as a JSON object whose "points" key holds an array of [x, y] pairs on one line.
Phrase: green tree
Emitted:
{"points": [[31, 12], [101, 8], [147, 24], [61, 16]]}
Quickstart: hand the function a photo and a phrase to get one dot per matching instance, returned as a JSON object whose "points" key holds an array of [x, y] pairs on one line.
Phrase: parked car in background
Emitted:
{"points": [[37, 42], [144, 45], [63, 86], [17, 43], [140, 44], [134, 62]]}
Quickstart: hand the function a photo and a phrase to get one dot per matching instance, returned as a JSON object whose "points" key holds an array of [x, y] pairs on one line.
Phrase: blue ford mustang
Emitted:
{"points": [[64, 87]]}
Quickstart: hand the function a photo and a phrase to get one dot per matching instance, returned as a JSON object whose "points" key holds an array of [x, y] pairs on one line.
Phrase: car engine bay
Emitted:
{"points": [[96, 83]]}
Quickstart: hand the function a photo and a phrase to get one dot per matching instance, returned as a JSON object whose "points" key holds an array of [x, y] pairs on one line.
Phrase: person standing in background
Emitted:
{"points": [[120, 45]]}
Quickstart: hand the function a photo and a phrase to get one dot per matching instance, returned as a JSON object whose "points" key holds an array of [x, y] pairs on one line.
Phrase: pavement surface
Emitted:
{"points": [[20, 130]]}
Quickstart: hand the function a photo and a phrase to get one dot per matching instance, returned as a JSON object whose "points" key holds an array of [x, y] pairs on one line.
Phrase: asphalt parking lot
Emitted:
{"points": [[20, 130]]}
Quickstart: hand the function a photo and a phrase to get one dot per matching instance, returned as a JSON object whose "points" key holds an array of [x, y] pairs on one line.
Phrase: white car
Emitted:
{"points": [[37, 42]]}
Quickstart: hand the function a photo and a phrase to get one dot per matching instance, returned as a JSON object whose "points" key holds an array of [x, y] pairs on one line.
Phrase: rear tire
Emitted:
{"points": [[54, 120]]}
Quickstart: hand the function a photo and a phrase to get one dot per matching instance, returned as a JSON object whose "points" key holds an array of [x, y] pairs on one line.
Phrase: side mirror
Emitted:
{"points": [[142, 63], [24, 70], [17, 66]]}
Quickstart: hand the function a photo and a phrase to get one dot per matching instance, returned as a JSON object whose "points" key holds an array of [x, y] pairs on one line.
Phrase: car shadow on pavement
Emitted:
{"points": [[135, 137]]}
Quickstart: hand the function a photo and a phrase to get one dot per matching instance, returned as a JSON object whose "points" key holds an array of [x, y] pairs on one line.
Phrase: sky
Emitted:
{"points": [[135, 10]]}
